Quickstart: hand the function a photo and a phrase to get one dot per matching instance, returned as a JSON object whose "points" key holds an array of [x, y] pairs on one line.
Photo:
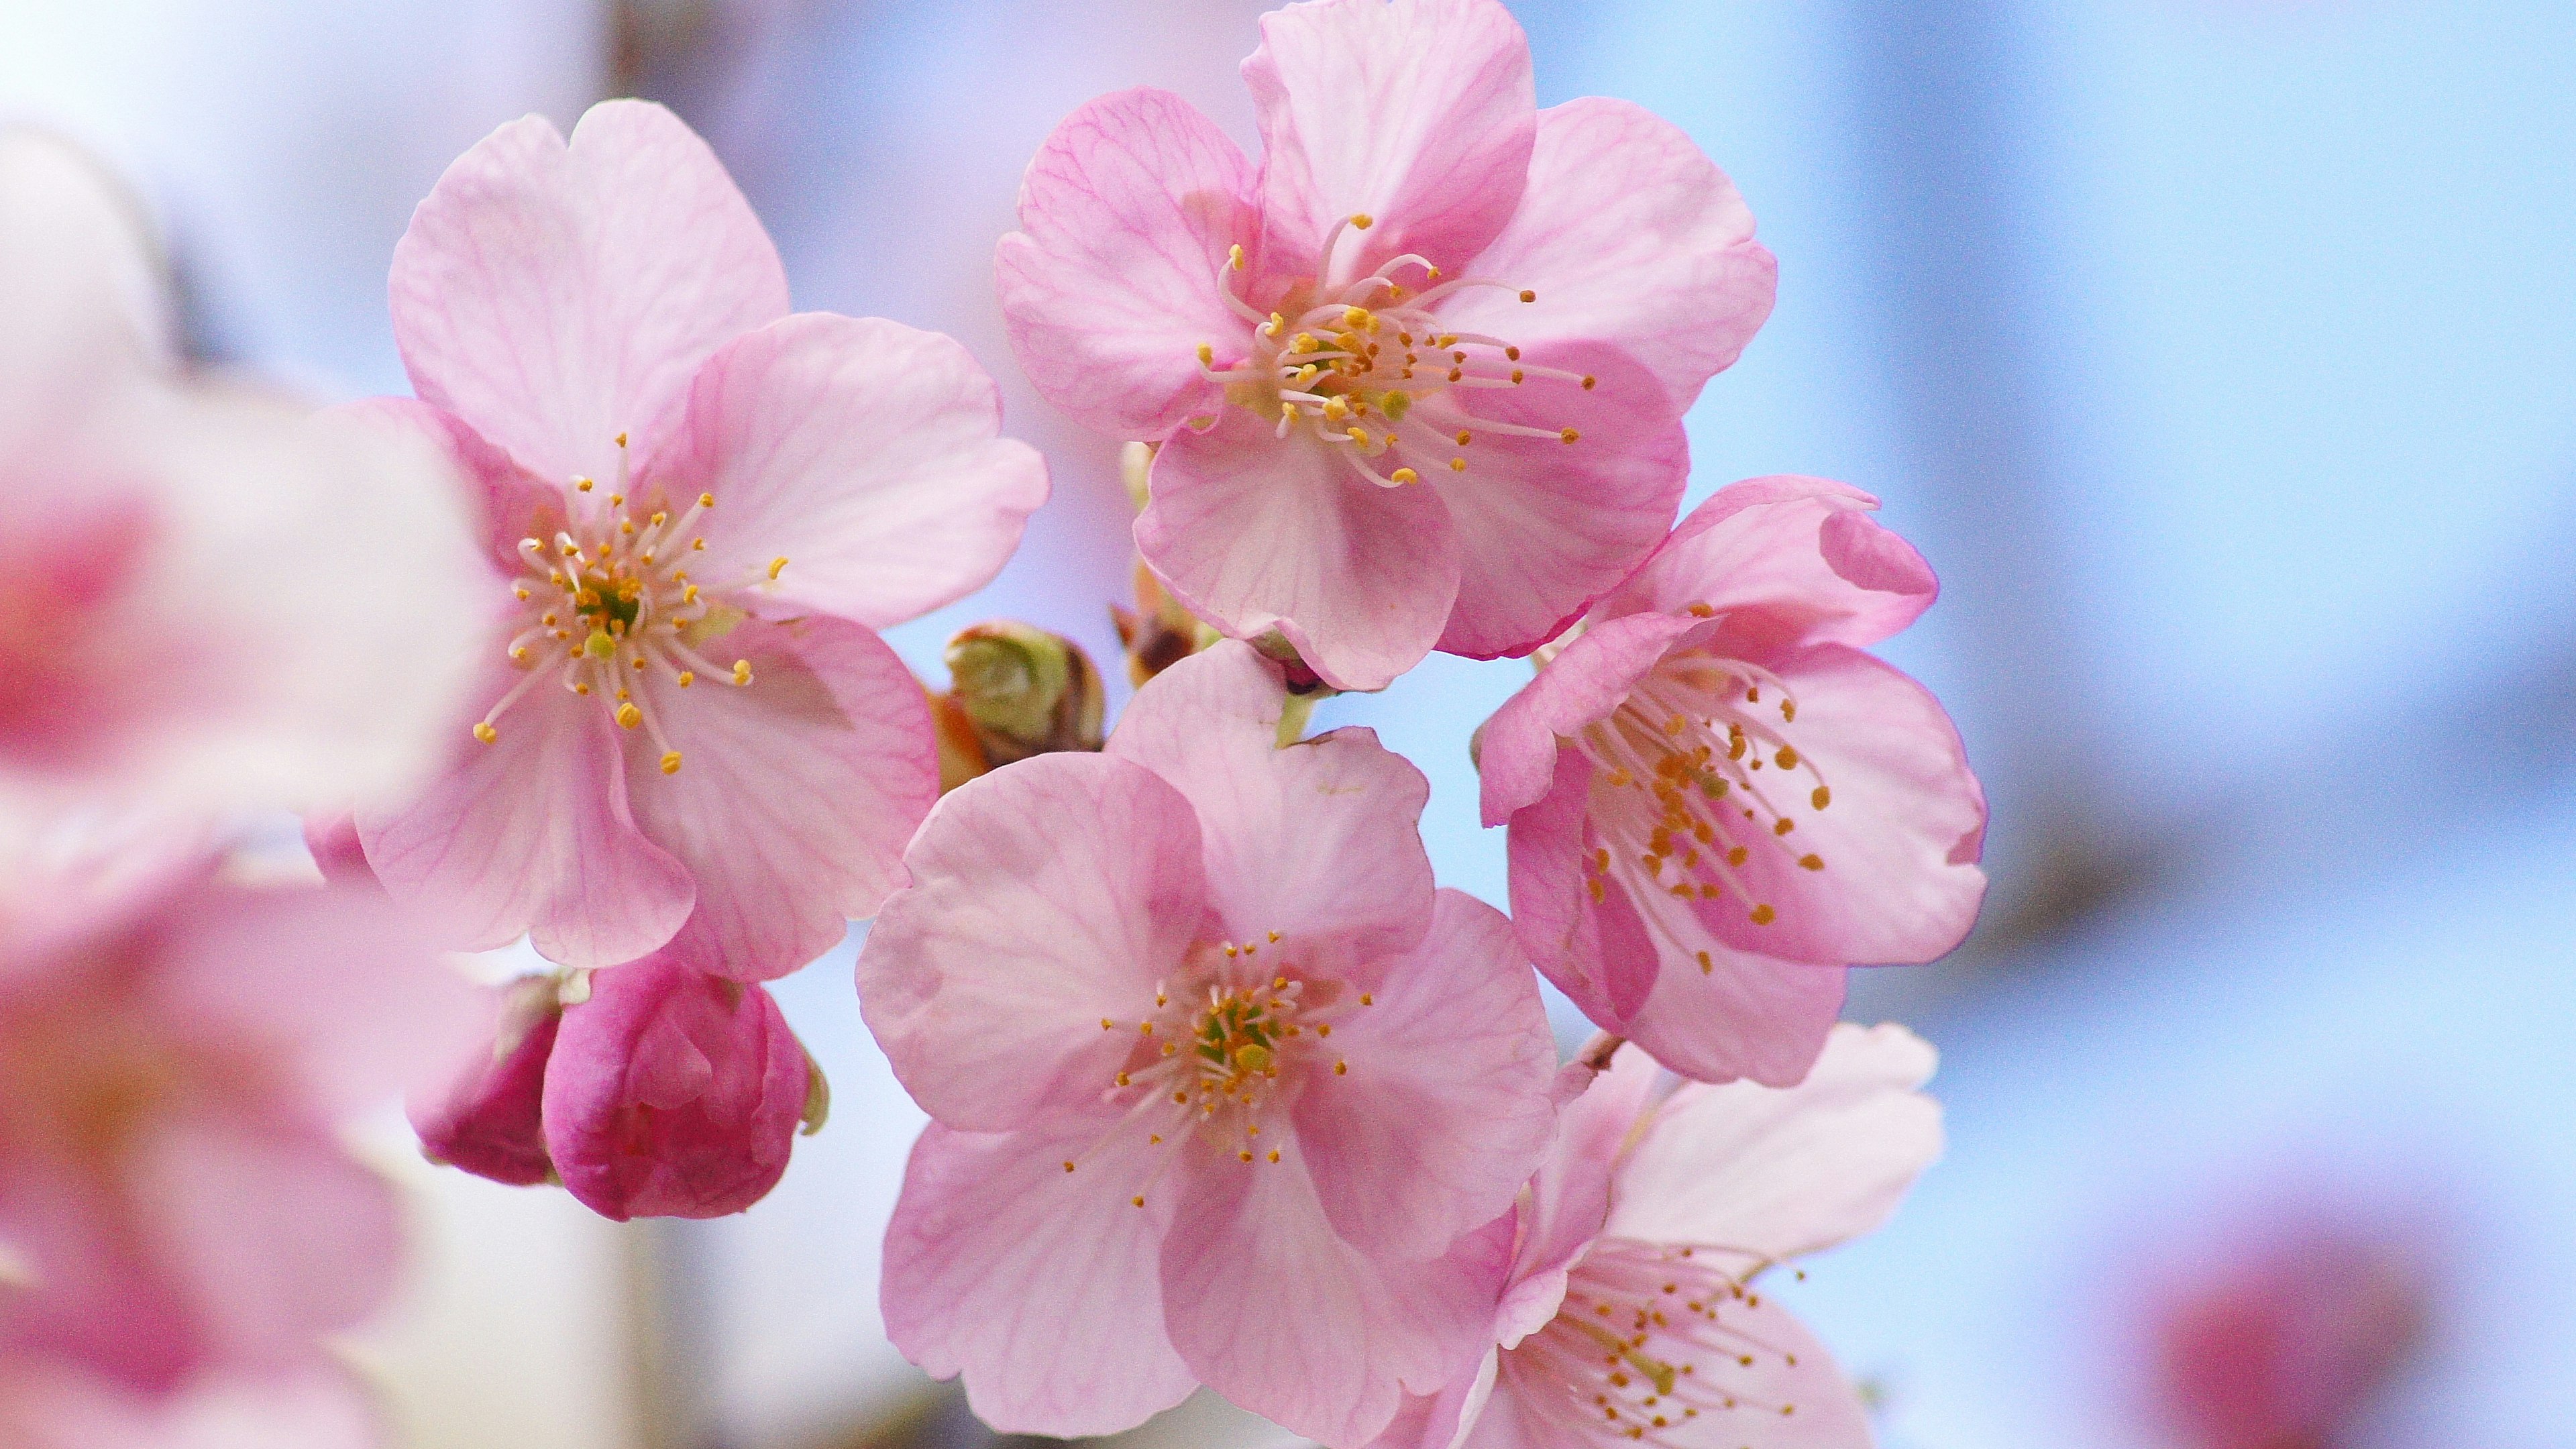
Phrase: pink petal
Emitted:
{"points": [[1785, 561], [1899, 842], [57, 1406], [1632, 238], [1782, 1173], [509, 502], [795, 793], [1273, 1309], [1599, 956], [1419, 114], [1041, 1286], [1441, 1420], [1255, 533], [865, 452], [1544, 525], [557, 296], [1517, 759], [532, 833], [1741, 1015], [672, 1093], [86, 297], [1110, 286], [1570, 1194], [1045, 897], [1444, 1112], [1321, 839], [490, 1120]]}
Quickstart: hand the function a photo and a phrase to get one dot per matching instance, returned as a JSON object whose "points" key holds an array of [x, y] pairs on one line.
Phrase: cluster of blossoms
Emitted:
{"points": [[1226, 1091]]}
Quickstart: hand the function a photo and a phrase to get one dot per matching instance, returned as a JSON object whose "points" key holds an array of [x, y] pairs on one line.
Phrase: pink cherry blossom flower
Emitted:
{"points": [[1217, 1076], [1631, 1312], [190, 561], [321, 1408], [490, 1121], [176, 1054], [700, 509], [1418, 379], [673, 1093], [1717, 801]]}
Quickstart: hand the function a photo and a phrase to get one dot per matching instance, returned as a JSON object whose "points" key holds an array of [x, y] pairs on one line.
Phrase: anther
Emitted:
{"points": [[742, 671], [1589, 381], [780, 562], [1529, 296], [583, 484], [670, 762], [1812, 862], [1568, 434], [629, 716], [687, 678], [1821, 798], [1234, 257], [1764, 915], [1405, 475], [483, 731], [1363, 220]]}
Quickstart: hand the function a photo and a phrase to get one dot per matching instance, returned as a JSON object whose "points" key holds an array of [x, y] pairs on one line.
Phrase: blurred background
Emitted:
{"points": [[2221, 355]]}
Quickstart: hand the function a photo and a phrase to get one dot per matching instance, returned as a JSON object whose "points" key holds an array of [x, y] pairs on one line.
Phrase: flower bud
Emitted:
{"points": [[488, 1124], [673, 1093], [1025, 691], [1158, 633]]}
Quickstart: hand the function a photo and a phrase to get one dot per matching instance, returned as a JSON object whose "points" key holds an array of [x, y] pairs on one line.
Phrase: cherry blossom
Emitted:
{"points": [[699, 510], [192, 561], [176, 1055], [1632, 1311], [1717, 801], [1217, 1077], [1417, 379]]}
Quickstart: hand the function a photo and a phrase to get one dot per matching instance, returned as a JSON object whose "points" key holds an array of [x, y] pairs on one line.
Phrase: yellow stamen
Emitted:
{"points": [[485, 732], [670, 762]]}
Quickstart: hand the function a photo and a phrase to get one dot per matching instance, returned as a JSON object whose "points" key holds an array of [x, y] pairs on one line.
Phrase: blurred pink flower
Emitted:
{"points": [[1218, 1076], [599, 332], [490, 1120], [1717, 802], [672, 1093], [2285, 1343], [318, 1408], [176, 1054], [188, 559], [1418, 380], [1630, 1311]]}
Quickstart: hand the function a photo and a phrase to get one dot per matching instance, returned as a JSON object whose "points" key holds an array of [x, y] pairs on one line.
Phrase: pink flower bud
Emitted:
{"points": [[673, 1093], [489, 1123]]}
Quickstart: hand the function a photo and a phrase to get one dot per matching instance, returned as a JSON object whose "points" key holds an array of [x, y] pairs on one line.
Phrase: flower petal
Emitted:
{"points": [[1570, 1194], [1739, 1015], [866, 452], [531, 833], [1544, 525], [1596, 953], [1631, 237], [1444, 1111], [1044, 897], [1788, 1386], [84, 293], [1321, 840], [1273, 1309], [1419, 114], [1254, 533], [52, 1406], [1041, 1286], [1782, 1172], [794, 795], [555, 296], [1111, 285], [1897, 846], [1784, 561], [1516, 761]]}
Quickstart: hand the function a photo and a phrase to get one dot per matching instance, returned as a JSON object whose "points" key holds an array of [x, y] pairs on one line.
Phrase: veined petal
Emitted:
{"points": [[1255, 533], [1586, 681], [1777, 1173], [1736, 1014], [531, 833], [1570, 1193], [1046, 898], [557, 295], [1039, 1285], [1784, 561], [1632, 238], [794, 794], [866, 453], [1443, 1112], [1595, 952], [1419, 114], [1112, 284], [1321, 839]]}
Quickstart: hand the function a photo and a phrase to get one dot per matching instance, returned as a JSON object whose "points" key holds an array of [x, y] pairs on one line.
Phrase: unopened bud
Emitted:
{"points": [[1025, 691], [1158, 633]]}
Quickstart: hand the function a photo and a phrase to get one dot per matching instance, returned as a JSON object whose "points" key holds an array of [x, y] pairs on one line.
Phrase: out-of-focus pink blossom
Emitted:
{"points": [[176, 1055], [672, 1093], [1631, 1311], [215, 601], [1717, 801], [699, 510], [1417, 379], [2286, 1342], [490, 1122], [316, 1408], [1218, 1076]]}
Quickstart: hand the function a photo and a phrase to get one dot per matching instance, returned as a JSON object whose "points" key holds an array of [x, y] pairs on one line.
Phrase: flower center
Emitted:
{"points": [[1642, 1347], [1680, 783], [609, 601], [1367, 369], [1214, 1061]]}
